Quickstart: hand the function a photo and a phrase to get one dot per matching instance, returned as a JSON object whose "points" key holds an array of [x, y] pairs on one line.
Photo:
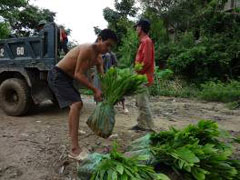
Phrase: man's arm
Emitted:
{"points": [[61, 31], [147, 52], [81, 68], [99, 65]]}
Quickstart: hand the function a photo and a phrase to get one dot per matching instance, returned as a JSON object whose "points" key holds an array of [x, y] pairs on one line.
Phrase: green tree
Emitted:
{"points": [[181, 14], [127, 51], [158, 32], [205, 44], [28, 19], [117, 19], [4, 30], [9, 8], [23, 17]]}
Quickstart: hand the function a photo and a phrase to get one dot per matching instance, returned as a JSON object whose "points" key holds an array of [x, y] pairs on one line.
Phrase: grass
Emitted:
{"points": [[210, 91], [176, 88]]}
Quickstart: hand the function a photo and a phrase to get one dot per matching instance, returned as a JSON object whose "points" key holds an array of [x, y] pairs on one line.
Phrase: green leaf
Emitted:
{"points": [[102, 172], [199, 173], [187, 155], [109, 174], [143, 157], [129, 173], [119, 168], [124, 177], [162, 177], [181, 164], [114, 175]]}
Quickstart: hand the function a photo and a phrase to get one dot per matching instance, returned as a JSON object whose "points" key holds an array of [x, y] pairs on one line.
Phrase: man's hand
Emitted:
{"points": [[138, 66], [97, 95]]}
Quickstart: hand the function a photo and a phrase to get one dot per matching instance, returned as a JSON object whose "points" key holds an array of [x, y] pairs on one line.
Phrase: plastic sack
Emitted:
{"points": [[102, 120], [141, 146], [86, 168], [140, 143]]}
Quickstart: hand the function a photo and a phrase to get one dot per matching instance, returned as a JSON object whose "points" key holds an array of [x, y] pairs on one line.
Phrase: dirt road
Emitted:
{"points": [[35, 147]]}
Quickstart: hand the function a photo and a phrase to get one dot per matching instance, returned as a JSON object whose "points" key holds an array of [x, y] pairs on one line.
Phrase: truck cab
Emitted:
{"points": [[24, 65]]}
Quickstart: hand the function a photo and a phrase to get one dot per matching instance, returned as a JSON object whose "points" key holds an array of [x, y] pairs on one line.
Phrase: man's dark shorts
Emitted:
{"points": [[62, 86]]}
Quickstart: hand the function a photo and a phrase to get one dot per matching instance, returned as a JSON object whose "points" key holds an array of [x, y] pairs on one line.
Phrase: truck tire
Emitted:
{"points": [[15, 97]]}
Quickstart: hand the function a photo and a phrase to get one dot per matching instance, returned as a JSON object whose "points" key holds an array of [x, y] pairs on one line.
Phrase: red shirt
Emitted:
{"points": [[145, 55], [63, 34]]}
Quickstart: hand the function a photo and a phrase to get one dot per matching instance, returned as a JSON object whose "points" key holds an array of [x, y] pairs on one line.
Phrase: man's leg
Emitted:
{"points": [[73, 123], [144, 119]]}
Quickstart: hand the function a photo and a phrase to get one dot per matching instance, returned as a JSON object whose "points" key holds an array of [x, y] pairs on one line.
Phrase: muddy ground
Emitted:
{"points": [[35, 147]]}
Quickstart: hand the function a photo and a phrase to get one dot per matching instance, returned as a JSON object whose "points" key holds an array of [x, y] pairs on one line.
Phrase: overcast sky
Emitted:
{"points": [[78, 15]]}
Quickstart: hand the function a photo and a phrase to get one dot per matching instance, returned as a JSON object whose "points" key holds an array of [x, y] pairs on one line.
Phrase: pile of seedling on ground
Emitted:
{"points": [[196, 152], [200, 152], [115, 84], [117, 166]]}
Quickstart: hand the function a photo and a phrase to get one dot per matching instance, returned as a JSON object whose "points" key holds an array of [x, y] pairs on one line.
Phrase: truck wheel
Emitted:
{"points": [[15, 97]]}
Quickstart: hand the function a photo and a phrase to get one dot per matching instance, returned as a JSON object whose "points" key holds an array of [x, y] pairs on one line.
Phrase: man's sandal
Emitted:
{"points": [[80, 157], [126, 110]]}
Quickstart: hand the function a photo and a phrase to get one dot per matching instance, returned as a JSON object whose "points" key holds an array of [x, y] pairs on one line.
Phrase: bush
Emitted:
{"points": [[218, 91], [215, 54], [213, 57], [176, 88], [166, 85]]}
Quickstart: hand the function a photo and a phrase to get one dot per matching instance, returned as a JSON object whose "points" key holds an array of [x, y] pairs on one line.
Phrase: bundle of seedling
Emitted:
{"points": [[198, 152], [119, 167], [115, 84]]}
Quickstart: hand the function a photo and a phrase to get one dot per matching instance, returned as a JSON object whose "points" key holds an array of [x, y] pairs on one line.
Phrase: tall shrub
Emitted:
{"points": [[128, 49]]}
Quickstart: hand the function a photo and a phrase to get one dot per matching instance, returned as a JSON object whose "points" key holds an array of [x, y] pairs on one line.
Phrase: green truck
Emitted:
{"points": [[24, 65]]}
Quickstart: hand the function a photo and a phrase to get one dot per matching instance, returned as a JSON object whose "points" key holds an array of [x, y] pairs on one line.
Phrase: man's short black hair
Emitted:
{"points": [[108, 34], [144, 24]]}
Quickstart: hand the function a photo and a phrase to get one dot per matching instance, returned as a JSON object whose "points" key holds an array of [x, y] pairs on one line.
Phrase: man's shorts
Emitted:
{"points": [[62, 86]]}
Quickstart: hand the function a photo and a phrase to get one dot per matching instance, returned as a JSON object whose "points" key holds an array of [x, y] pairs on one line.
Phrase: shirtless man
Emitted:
{"points": [[74, 67]]}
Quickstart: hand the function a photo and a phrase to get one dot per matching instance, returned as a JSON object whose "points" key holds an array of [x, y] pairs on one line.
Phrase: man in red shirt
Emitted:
{"points": [[63, 40], [145, 56]]}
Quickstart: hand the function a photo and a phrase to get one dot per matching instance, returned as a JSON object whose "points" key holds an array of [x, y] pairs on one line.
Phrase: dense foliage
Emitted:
{"points": [[217, 91], [196, 39], [22, 17], [4, 30], [118, 19], [214, 56]]}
